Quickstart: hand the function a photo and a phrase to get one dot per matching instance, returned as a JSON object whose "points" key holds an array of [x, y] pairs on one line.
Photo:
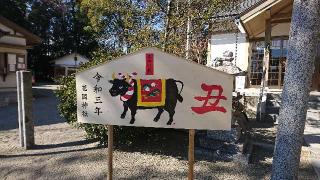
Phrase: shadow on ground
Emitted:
{"points": [[48, 153], [158, 141], [174, 143], [64, 144]]}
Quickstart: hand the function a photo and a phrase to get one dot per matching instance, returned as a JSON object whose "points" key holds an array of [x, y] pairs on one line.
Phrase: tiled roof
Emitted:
{"points": [[224, 20], [248, 4], [31, 38], [239, 7]]}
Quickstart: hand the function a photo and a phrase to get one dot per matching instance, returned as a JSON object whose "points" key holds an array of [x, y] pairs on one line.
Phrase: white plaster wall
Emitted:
{"points": [[69, 60], [10, 80], [220, 43], [282, 29], [13, 40]]}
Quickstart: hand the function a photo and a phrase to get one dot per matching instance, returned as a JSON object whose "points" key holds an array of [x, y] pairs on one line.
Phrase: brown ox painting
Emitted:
{"points": [[135, 94]]}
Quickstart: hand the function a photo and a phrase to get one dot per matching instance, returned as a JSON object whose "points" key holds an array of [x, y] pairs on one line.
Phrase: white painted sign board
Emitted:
{"points": [[158, 89]]}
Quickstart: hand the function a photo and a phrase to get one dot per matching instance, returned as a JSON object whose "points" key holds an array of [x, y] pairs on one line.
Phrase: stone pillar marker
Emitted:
{"points": [[304, 33], [24, 95]]}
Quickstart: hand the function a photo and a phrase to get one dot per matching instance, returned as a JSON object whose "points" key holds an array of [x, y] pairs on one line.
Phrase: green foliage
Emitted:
{"points": [[62, 27], [114, 25], [68, 100], [124, 24], [131, 25], [202, 26], [14, 10]]}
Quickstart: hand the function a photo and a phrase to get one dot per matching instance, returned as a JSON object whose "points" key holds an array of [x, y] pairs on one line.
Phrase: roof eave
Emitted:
{"points": [[31, 38], [256, 9]]}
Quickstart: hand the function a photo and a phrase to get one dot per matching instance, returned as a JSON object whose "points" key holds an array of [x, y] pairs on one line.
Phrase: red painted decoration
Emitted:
{"points": [[209, 106], [151, 90], [149, 64]]}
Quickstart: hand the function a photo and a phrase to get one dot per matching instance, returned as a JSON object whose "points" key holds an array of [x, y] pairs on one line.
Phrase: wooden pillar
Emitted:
{"points": [[191, 154], [266, 60], [266, 57], [110, 152]]}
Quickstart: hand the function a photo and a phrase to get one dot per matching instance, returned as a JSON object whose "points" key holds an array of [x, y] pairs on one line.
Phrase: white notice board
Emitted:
{"points": [[151, 88]]}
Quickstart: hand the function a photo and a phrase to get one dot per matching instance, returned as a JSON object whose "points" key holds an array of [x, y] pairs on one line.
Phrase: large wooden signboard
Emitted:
{"points": [[151, 88]]}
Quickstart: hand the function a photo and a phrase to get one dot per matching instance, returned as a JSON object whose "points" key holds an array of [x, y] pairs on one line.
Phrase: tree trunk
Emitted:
{"points": [[188, 32], [169, 10], [295, 95]]}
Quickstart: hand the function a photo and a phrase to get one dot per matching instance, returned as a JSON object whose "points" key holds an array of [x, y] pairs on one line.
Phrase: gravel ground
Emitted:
{"points": [[63, 153]]}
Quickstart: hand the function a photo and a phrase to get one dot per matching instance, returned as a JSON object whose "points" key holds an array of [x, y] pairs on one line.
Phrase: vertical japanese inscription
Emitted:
{"points": [[149, 64], [97, 89], [84, 99]]}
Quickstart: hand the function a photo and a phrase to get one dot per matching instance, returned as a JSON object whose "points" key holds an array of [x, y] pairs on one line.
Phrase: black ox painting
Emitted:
{"points": [[146, 94], [151, 88]]}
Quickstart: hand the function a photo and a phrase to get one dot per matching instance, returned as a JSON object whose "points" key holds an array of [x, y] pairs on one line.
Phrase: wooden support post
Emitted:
{"points": [[110, 151], [191, 154], [266, 60]]}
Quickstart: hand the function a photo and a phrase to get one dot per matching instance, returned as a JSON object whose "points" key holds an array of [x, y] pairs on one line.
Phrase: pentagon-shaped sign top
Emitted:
{"points": [[151, 88]]}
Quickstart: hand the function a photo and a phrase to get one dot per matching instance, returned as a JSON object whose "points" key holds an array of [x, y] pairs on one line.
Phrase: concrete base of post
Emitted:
{"points": [[24, 95]]}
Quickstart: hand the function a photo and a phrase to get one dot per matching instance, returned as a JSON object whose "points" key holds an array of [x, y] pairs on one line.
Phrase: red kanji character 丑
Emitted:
{"points": [[208, 106]]}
